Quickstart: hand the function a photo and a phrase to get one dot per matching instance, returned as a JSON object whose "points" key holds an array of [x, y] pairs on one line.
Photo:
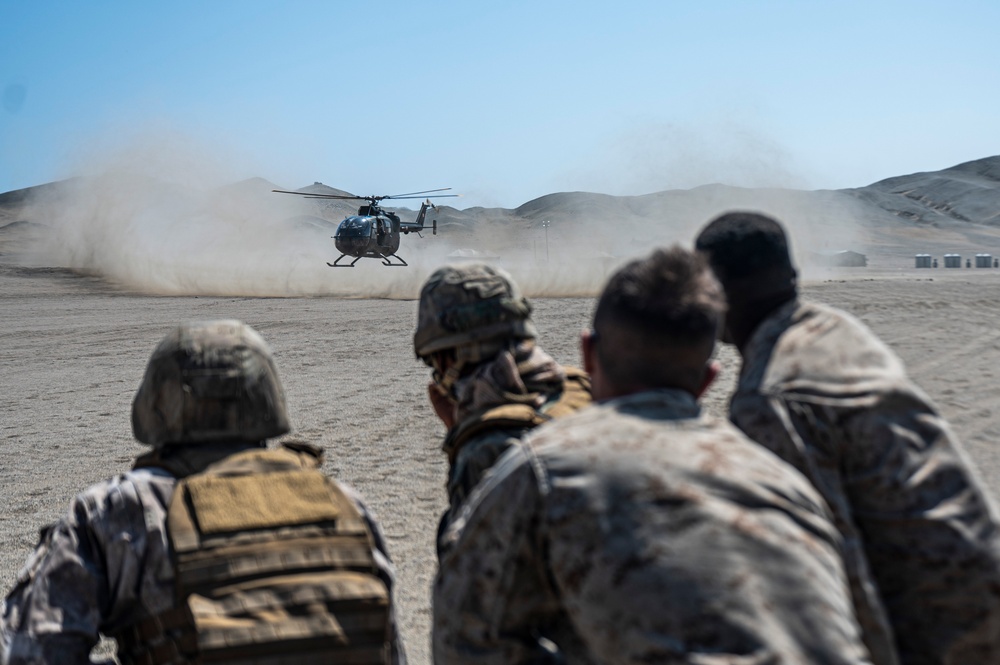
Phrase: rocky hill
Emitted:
{"points": [[954, 209]]}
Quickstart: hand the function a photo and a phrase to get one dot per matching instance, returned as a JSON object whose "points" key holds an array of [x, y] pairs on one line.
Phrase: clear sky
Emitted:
{"points": [[504, 101]]}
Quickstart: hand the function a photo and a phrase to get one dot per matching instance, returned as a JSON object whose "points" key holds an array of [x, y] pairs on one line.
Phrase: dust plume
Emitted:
{"points": [[161, 216], [701, 170], [165, 215]]}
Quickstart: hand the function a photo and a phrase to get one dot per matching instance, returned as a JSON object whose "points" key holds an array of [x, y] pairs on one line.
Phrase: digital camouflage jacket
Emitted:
{"points": [[640, 531], [107, 565], [923, 549]]}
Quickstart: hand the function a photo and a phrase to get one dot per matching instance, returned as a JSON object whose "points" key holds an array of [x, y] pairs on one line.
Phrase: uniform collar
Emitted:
{"points": [[676, 402]]}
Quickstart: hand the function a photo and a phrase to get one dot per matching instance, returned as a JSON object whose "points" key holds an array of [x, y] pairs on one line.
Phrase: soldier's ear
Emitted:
{"points": [[712, 369], [600, 388], [588, 350]]}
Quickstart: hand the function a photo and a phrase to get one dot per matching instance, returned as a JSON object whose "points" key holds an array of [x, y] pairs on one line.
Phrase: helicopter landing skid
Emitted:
{"points": [[387, 261], [338, 264]]}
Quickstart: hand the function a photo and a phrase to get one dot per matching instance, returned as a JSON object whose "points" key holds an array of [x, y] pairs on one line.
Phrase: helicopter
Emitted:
{"points": [[374, 232]]}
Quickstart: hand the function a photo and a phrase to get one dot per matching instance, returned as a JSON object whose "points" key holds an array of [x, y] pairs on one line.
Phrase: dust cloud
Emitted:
{"points": [[164, 215], [701, 170]]}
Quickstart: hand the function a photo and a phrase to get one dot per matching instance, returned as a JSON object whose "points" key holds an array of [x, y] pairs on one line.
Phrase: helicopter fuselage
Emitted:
{"points": [[371, 236], [374, 231]]}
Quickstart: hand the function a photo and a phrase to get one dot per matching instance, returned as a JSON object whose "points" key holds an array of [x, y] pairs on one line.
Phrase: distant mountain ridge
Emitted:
{"points": [[968, 192], [958, 205], [964, 193]]}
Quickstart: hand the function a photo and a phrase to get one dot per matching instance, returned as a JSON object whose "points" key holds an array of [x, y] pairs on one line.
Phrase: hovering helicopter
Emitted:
{"points": [[374, 233]]}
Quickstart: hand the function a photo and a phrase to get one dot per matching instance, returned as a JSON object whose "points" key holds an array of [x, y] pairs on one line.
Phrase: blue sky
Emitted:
{"points": [[504, 101]]}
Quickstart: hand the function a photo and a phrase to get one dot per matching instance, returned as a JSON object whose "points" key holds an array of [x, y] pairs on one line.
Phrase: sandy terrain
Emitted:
{"points": [[73, 348], [72, 352]]}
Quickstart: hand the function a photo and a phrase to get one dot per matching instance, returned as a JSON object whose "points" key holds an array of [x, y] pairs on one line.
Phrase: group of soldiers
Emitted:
{"points": [[594, 516]]}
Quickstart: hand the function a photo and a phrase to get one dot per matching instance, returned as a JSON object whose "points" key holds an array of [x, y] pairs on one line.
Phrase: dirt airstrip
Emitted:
{"points": [[73, 350]]}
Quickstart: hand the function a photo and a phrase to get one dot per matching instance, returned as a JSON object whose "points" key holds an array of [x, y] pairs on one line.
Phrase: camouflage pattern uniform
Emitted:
{"points": [[921, 537], [525, 375], [500, 382], [210, 393], [640, 531], [106, 565]]}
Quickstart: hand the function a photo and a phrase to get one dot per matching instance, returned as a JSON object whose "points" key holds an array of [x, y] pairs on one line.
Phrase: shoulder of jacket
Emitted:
{"points": [[503, 417], [575, 394]]}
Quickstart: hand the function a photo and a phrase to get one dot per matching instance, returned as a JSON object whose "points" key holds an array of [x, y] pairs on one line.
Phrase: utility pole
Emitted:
{"points": [[545, 225]]}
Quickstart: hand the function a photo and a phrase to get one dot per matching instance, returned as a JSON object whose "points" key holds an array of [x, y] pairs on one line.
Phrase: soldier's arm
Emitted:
{"points": [[52, 614], [472, 462], [88, 571], [475, 458], [489, 594], [930, 533], [386, 570]]}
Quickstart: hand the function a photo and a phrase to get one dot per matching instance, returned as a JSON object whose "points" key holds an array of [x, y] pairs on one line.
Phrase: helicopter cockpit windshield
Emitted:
{"points": [[355, 227]]}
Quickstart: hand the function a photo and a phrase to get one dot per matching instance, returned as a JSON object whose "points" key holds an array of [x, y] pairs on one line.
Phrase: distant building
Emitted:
{"points": [[923, 260]]}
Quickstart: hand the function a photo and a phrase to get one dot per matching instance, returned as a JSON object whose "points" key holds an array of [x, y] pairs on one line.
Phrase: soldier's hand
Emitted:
{"points": [[444, 405]]}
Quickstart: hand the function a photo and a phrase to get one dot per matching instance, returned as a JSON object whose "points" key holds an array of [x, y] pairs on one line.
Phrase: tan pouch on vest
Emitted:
{"points": [[575, 395], [274, 564]]}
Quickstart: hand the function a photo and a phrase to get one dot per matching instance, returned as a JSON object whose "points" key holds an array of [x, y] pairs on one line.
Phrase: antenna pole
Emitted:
{"points": [[545, 225]]}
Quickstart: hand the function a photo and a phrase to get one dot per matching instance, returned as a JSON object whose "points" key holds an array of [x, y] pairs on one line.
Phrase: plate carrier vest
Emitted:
{"points": [[273, 564]]}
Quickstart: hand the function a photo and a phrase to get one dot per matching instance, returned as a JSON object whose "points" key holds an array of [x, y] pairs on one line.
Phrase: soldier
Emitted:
{"points": [[820, 390], [213, 547], [492, 383], [639, 530]]}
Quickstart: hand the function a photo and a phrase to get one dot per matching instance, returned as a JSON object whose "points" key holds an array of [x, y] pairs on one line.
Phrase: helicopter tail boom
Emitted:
{"points": [[418, 224]]}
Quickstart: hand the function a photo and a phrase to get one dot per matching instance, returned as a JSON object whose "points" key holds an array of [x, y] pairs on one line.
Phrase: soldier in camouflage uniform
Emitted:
{"points": [[640, 530], [491, 382], [114, 565], [821, 391]]}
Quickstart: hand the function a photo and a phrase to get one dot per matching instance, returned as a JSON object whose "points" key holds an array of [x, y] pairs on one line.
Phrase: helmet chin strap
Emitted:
{"points": [[447, 379]]}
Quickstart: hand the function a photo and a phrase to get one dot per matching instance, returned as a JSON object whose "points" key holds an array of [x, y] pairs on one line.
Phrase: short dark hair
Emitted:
{"points": [[741, 244], [659, 317]]}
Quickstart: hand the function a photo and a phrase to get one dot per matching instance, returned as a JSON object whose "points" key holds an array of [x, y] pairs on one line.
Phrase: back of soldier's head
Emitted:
{"points": [[657, 320], [209, 382], [746, 246], [473, 308]]}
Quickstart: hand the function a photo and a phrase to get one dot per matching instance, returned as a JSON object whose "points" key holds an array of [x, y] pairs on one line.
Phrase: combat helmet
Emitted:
{"points": [[474, 308], [209, 382]]}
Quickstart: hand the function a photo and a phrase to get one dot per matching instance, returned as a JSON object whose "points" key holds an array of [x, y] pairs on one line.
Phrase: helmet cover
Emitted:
{"points": [[470, 304], [209, 382]]}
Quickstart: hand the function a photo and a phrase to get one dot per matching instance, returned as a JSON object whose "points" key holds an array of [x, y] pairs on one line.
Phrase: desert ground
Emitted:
{"points": [[73, 350], [95, 270]]}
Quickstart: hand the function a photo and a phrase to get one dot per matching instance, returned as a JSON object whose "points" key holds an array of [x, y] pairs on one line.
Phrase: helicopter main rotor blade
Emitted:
{"points": [[334, 196], [372, 199], [426, 191], [310, 195], [433, 196]]}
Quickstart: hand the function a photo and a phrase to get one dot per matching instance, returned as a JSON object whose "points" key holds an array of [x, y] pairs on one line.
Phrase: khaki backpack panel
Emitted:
{"points": [[273, 564], [265, 500], [329, 611]]}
